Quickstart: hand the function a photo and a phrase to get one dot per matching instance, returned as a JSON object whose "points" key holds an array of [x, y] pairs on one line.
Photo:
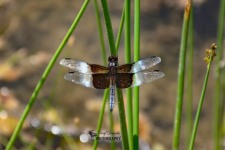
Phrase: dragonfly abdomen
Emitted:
{"points": [[112, 98]]}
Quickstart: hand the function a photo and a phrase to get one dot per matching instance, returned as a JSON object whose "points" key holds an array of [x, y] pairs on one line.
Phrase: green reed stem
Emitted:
{"points": [[119, 92], [194, 131], [190, 55], [127, 41], [120, 30], [180, 84], [218, 100], [100, 31], [123, 125], [104, 59], [101, 115], [136, 89], [109, 28], [117, 47], [112, 145], [106, 93], [127, 32], [44, 76]]}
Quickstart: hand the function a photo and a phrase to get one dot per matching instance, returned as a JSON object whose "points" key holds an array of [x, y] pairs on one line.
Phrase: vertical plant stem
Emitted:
{"points": [[119, 92], [181, 69], [190, 55], [101, 115], [128, 60], [136, 89], [119, 35], [218, 101], [117, 47], [106, 93], [98, 18], [44, 76], [127, 32], [100, 120], [109, 27], [122, 119], [113, 146], [194, 131]]}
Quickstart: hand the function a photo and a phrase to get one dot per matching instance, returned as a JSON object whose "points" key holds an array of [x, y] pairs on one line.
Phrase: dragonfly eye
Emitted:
{"points": [[111, 64]]}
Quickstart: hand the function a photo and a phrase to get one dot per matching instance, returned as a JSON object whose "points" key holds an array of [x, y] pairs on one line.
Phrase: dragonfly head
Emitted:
{"points": [[113, 60]]}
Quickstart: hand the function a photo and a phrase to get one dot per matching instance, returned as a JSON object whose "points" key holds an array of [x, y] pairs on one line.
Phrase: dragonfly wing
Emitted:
{"points": [[124, 80], [101, 81], [98, 81], [126, 68], [80, 78], [83, 67], [145, 64], [146, 77]]}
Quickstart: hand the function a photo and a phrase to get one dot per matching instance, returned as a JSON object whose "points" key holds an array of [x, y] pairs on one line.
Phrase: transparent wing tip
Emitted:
{"points": [[159, 74], [64, 61], [158, 59]]}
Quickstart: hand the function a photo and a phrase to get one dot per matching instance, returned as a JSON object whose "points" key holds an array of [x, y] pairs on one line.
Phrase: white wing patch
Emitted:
{"points": [[80, 78], [76, 65], [145, 64]]}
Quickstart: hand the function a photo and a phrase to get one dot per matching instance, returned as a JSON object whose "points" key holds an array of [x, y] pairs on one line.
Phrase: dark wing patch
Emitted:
{"points": [[98, 69], [124, 80], [124, 68], [101, 81]]}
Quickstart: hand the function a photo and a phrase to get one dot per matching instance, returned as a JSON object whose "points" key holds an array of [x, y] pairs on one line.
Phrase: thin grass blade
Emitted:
{"points": [[136, 89], [218, 107], [180, 84]]}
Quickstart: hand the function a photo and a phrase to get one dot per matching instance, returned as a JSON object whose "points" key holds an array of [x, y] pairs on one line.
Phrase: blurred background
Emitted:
{"points": [[30, 32]]}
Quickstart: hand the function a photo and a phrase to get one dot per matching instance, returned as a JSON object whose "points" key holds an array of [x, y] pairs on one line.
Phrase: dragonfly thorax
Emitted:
{"points": [[113, 62]]}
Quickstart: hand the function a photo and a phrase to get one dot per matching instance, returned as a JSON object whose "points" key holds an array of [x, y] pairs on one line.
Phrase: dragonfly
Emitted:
{"points": [[112, 76]]}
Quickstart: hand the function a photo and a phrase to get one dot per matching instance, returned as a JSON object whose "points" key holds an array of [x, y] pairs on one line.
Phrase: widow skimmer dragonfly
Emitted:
{"points": [[113, 76]]}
